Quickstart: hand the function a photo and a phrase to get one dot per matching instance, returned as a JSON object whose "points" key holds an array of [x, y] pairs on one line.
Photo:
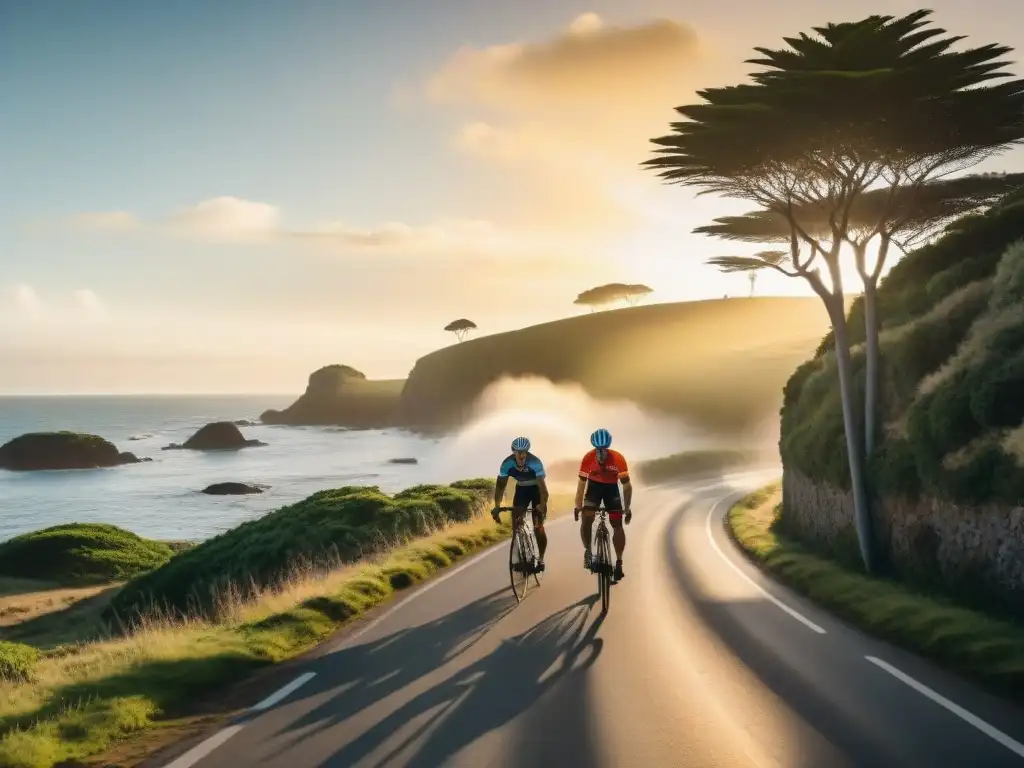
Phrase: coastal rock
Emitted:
{"points": [[61, 450], [127, 457], [339, 395], [218, 436], [232, 489]]}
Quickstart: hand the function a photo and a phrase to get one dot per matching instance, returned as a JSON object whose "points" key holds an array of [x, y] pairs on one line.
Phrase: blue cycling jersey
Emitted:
{"points": [[531, 471]]}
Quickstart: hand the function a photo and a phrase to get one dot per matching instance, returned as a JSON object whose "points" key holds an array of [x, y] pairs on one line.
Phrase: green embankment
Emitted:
{"points": [[78, 554], [951, 417], [952, 344], [977, 645], [329, 528], [74, 701]]}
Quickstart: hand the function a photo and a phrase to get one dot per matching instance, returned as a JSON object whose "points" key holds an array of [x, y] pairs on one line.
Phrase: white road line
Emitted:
{"points": [[991, 731], [714, 544], [294, 685], [204, 748]]}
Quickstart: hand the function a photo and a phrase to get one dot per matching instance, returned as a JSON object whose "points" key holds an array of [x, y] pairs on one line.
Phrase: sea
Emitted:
{"points": [[163, 499]]}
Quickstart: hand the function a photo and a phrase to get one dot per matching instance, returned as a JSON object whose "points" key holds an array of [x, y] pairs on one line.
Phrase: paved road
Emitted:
{"points": [[701, 661]]}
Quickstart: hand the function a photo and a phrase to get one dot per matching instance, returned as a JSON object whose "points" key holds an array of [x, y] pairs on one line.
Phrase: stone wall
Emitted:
{"points": [[972, 552]]}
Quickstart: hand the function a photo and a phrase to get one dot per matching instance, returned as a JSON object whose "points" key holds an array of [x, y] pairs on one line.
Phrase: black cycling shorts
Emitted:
{"points": [[528, 496], [603, 492]]}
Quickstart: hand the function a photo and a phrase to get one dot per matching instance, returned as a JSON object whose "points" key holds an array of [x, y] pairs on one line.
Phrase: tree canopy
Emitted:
{"points": [[602, 295], [460, 327], [938, 203]]}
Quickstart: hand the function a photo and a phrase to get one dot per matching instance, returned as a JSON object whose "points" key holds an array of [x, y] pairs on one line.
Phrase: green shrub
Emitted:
{"points": [[17, 661], [81, 553], [951, 305], [330, 527]]}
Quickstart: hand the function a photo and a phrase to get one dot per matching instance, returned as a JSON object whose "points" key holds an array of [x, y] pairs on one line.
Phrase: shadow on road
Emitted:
{"points": [[478, 697], [736, 624]]}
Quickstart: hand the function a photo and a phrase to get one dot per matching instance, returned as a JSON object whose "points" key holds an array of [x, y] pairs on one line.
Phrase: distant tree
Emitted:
{"points": [[603, 295], [635, 292], [460, 328], [827, 119], [752, 279]]}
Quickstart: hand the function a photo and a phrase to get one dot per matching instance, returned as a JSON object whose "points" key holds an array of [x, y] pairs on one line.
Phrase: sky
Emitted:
{"points": [[222, 197]]}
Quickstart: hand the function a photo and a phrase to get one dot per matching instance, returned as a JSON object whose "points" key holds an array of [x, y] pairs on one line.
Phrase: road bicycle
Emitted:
{"points": [[522, 555], [601, 561]]}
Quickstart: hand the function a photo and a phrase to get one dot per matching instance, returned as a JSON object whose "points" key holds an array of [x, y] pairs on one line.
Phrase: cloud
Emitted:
{"points": [[589, 63], [226, 219], [107, 221], [566, 121], [21, 302], [444, 234], [22, 299]]}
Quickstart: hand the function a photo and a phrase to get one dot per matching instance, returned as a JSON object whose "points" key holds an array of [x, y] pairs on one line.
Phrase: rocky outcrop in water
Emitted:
{"points": [[218, 436], [232, 489], [62, 450]]}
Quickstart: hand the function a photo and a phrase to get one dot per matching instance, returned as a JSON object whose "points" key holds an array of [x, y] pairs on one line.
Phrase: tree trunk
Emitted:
{"points": [[862, 511], [871, 366]]}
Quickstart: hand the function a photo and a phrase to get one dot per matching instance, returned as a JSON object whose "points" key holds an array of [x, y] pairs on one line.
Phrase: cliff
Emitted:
{"points": [[720, 363], [341, 395]]}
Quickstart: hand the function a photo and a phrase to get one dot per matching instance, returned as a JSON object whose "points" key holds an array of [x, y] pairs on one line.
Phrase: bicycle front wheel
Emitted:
{"points": [[604, 570], [518, 566]]}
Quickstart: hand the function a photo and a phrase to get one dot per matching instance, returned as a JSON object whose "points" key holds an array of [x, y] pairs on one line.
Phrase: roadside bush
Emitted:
{"points": [[17, 661]]}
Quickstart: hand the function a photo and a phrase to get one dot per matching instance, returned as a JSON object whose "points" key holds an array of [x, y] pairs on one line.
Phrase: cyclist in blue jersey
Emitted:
{"points": [[531, 491]]}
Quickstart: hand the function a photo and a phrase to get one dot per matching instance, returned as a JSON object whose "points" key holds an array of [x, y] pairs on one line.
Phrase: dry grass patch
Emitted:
{"points": [[80, 699]]}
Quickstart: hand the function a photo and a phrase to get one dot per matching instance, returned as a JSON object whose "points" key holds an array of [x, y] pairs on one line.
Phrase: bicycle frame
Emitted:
{"points": [[522, 555]]}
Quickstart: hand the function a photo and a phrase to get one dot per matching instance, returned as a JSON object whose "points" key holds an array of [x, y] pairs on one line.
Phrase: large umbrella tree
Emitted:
{"points": [[882, 101]]}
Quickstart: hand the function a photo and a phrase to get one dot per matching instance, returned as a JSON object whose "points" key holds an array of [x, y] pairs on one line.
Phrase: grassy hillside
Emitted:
{"points": [[952, 346], [721, 363], [77, 554], [324, 530], [74, 693]]}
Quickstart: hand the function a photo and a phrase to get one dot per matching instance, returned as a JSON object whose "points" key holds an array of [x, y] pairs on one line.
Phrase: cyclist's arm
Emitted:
{"points": [[627, 485], [581, 485], [499, 489], [538, 471]]}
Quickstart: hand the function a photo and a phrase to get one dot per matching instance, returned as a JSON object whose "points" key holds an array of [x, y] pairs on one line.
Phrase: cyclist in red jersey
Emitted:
{"points": [[601, 471]]}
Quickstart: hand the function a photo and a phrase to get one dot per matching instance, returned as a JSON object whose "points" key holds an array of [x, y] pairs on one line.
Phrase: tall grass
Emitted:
{"points": [[81, 698]]}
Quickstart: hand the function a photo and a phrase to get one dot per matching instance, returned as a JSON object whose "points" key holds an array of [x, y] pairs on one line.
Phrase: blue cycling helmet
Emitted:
{"points": [[601, 438], [521, 444]]}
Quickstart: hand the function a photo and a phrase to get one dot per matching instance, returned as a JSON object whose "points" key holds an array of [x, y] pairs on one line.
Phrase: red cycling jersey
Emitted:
{"points": [[613, 469]]}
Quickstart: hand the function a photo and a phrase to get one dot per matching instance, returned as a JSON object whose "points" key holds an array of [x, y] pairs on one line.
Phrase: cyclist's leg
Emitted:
{"points": [[538, 530], [591, 501], [613, 503]]}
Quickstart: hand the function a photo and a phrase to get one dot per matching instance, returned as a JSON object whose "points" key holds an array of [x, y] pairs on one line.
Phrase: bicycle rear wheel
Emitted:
{"points": [[518, 565], [604, 569]]}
